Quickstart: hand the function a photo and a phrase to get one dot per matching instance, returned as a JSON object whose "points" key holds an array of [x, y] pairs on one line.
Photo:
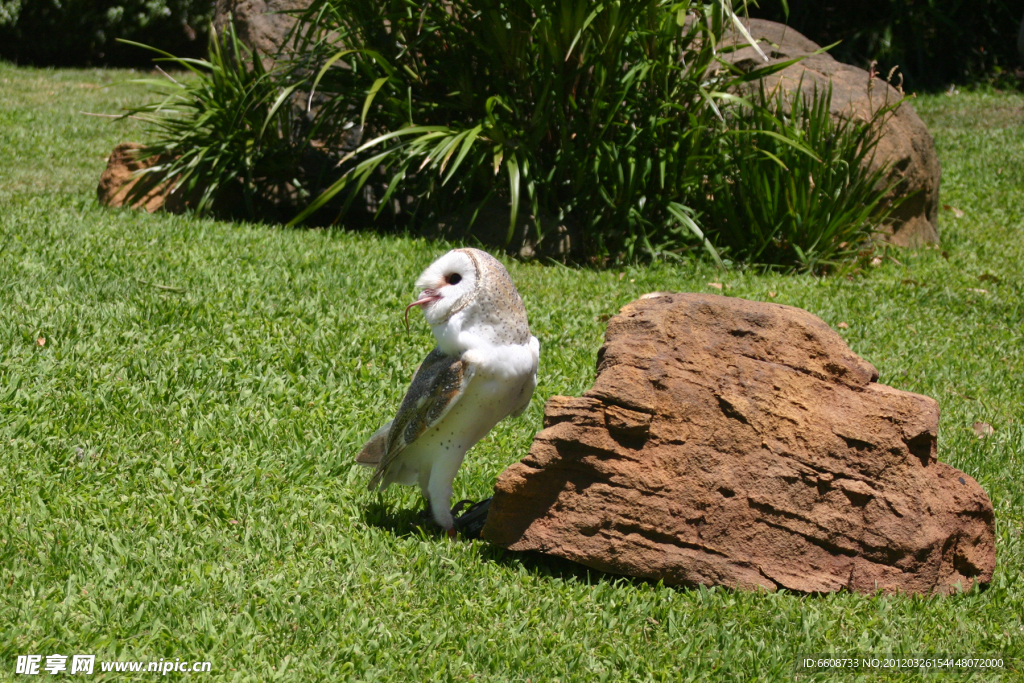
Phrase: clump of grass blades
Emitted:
{"points": [[771, 202], [602, 115], [228, 138]]}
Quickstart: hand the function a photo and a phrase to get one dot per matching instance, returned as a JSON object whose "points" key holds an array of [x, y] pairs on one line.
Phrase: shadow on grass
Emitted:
{"points": [[557, 568], [408, 523], [402, 523]]}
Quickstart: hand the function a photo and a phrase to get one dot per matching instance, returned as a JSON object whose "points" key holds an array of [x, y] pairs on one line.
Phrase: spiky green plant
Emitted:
{"points": [[620, 120], [228, 131], [768, 202], [603, 115]]}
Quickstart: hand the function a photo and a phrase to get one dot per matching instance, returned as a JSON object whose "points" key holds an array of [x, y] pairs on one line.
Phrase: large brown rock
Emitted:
{"points": [[906, 145], [729, 442]]}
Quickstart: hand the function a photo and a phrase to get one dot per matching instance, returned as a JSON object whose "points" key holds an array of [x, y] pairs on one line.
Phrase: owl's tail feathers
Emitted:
{"points": [[373, 451]]}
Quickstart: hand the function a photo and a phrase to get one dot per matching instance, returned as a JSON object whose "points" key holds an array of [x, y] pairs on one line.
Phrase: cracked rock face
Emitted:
{"points": [[736, 443]]}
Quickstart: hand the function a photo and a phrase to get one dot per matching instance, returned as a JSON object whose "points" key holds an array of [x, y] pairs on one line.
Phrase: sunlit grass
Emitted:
{"points": [[176, 459]]}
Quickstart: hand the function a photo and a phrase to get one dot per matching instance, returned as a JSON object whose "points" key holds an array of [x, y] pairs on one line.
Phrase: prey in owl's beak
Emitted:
{"points": [[427, 296]]}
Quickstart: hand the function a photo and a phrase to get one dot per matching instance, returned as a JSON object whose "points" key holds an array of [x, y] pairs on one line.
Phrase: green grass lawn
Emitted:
{"points": [[176, 460]]}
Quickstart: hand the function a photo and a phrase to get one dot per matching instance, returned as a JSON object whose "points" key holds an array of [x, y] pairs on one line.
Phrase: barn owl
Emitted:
{"points": [[483, 369]]}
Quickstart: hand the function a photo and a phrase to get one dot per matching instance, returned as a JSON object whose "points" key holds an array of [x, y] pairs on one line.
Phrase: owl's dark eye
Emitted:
{"points": [[453, 278]]}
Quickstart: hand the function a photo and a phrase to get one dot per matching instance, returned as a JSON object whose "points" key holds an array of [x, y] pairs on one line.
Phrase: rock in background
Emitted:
{"points": [[736, 443], [263, 25], [119, 179], [905, 144]]}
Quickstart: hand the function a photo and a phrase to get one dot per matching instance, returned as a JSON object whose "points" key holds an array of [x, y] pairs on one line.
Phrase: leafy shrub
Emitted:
{"points": [[600, 115], [770, 202], [229, 132], [933, 43], [620, 120], [80, 32]]}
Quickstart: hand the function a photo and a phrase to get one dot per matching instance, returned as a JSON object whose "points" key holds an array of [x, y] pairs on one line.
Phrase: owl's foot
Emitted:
{"points": [[471, 522], [426, 520], [462, 505], [468, 517]]}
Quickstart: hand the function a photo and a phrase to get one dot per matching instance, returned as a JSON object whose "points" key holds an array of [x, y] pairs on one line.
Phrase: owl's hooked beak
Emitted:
{"points": [[427, 296]]}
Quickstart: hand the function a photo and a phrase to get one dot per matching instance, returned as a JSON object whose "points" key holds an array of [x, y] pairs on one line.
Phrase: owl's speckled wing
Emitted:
{"points": [[436, 388]]}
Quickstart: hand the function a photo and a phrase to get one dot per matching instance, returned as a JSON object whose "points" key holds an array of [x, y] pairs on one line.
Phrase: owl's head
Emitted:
{"points": [[448, 286], [474, 283]]}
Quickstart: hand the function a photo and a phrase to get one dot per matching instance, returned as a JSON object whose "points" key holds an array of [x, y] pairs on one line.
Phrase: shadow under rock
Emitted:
{"points": [[408, 523], [549, 566]]}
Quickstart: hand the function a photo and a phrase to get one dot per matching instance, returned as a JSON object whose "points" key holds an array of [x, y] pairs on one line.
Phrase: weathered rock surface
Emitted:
{"points": [[118, 179], [263, 25], [905, 142], [736, 443]]}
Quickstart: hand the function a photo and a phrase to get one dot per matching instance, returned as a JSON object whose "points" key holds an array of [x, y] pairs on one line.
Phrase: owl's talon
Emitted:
{"points": [[462, 504], [471, 522]]}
